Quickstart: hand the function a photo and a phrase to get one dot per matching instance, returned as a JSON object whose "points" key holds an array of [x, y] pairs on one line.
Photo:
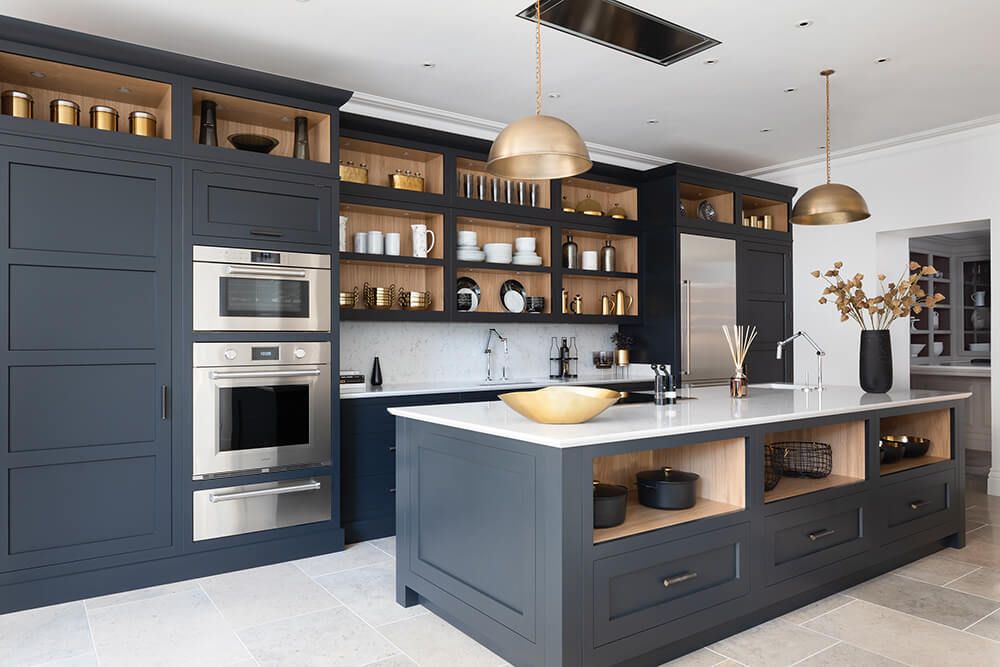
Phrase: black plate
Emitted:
{"points": [[468, 283], [256, 143], [513, 286]]}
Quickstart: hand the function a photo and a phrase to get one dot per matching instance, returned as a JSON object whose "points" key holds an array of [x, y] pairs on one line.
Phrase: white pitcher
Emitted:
{"points": [[421, 245]]}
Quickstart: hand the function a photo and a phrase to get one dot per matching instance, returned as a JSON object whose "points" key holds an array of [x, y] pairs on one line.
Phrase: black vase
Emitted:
{"points": [[301, 150], [207, 134], [876, 361], [376, 373]]}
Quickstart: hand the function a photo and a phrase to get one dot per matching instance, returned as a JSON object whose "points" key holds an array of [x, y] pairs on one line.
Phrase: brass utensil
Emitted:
{"points": [[379, 298]]}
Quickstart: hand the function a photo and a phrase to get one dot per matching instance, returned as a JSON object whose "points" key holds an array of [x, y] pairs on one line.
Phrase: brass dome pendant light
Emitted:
{"points": [[538, 147], [831, 203]]}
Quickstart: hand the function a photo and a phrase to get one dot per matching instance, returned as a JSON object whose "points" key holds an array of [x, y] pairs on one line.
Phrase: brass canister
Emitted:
{"points": [[18, 104], [406, 181], [104, 118], [352, 174], [142, 123], [768, 222], [65, 112]]}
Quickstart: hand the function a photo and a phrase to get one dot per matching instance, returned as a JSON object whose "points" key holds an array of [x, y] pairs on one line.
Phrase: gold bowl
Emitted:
{"points": [[349, 299], [561, 405]]}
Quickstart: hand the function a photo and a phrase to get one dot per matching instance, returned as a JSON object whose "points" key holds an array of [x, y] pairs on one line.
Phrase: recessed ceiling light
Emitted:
{"points": [[555, 96], [765, 129], [125, 90], [38, 75], [879, 61], [711, 61], [791, 89], [805, 23], [822, 148], [652, 121], [285, 119], [428, 65]]}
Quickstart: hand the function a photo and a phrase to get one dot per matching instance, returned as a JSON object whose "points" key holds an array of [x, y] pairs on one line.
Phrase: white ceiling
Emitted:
{"points": [[945, 62]]}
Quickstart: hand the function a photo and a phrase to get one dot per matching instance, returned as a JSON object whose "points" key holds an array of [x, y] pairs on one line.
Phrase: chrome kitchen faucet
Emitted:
{"points": [[489, 354], [819, 356]]}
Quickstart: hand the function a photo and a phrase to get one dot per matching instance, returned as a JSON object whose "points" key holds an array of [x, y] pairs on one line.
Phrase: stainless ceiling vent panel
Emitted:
{"points": [[623, 28]]}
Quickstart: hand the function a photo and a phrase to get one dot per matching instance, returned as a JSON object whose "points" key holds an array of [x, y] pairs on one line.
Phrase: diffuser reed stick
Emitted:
{"points": [[739, 342]]}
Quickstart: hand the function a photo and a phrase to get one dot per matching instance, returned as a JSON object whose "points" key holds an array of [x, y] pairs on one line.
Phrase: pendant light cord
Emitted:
{"points": [[538, 59], [826, 74]]}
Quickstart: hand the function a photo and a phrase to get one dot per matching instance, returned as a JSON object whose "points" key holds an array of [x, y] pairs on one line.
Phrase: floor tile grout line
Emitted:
{"points": [[195, 584], [226, 622], [949, 583], [966, 628], [829, 611], [836, 642], [380, 634], [970, 532], [346, 569], [920, 618], [90, 629], [721, 655]]}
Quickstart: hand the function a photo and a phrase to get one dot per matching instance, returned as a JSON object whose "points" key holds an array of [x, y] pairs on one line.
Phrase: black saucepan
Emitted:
{"points": [[609, 504], [666, 488]]}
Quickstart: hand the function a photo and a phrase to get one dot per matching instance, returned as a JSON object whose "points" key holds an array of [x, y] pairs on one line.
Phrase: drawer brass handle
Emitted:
{"points": [[392, 449], [679, 579], [819, 534], [917, 504]]}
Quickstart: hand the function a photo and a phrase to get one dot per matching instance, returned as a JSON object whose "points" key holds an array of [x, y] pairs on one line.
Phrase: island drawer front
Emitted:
{"points": [[364, 454], [368, 497], [916, 504], [807, 539], [642, 589]]}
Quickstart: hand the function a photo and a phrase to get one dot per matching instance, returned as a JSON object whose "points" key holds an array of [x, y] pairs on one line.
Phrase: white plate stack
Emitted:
{"points": [[468, 248], [498, 253], [525, 255]]}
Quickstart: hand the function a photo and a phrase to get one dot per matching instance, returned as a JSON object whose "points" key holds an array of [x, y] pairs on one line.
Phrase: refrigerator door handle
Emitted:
{"points": [[686, 307]]}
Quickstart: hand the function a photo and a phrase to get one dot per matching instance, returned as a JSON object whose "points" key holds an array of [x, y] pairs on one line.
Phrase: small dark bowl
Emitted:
{"points": [[610, 501], [255, 143], [915, 446], [890, 452], [535, 304]]}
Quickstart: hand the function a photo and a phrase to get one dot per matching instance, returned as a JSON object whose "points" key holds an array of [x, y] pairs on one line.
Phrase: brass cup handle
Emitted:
{"points": [[917, 504], [679, 579], [820, 534]]}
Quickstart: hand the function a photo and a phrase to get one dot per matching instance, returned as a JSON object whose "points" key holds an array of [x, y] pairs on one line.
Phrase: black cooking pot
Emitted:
{"points": [[609, 504], [666, 488], [889, 451]]}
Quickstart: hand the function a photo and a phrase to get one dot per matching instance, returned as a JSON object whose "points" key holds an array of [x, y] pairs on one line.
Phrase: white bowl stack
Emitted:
{"points": [[525, 254], [468, 248], [498, 253]]}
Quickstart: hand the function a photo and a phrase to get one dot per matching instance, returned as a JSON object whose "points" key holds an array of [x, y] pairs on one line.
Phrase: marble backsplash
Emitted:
{"points": [[436, 351]]}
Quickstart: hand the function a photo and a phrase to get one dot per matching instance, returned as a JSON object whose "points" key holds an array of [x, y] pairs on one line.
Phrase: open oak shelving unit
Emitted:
{"points": [[382, 160], [477, 169], [608, 195], [847, 445], [934, 425], [721, 487]]}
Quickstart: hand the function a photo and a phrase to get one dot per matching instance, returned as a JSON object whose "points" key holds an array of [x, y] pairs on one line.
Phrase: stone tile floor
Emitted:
{"points": [[339, 609]]}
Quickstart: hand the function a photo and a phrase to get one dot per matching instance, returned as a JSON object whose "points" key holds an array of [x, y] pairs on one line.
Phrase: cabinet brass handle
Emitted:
{"points": [[679, 579], [917, 504], [821, 534], [261, 232]]}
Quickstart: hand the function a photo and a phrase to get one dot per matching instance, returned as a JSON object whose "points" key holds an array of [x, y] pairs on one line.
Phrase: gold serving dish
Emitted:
{"points": [[379, 298], [589, 206], [561, 405], [349, 299], [407, 181], [414, 300]]}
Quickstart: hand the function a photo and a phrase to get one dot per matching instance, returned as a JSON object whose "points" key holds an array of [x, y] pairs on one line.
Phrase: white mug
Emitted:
{"points": [[978, 298], [588, 260], [392, 243], [375, 242], [343, 233], [361, 242], [421, 246]]}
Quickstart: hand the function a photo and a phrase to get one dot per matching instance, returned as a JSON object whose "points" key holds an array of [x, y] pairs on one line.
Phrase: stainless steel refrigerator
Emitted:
{"points": [[708, 303]]}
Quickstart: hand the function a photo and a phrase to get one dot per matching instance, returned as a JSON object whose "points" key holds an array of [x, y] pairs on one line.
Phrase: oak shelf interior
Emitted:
{"points": [[908, 463], [477, 169], [363, 218], [382, 160], [491, 280], [790, 487], [592, 287], [641, 519], [721, 200], [626, 247], [410, 277], [847, 446], [759, 206], [934, 425], [608, 195], [501, 231]]}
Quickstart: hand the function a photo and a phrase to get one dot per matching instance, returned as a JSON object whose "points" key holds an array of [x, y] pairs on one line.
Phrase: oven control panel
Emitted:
{"points": [[208, 355]]}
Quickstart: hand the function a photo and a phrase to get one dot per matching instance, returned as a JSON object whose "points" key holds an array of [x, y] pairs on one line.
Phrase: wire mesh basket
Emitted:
{"points": [[803, 459], [773, 468]]}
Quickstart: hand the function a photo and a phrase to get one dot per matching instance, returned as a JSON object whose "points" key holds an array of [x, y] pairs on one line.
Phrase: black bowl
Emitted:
{"points": [[915, 446], [890, 452], [255, 143]]}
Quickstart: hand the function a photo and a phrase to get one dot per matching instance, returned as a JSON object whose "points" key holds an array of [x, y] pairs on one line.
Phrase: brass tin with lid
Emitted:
{"points": [[352, 174], [406, 181], [142, 123], [18, 104], [617, 212], [104, 118], [589, 206], [65, 112]]}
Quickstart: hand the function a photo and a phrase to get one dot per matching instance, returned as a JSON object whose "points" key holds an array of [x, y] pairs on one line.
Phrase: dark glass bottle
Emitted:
{"points": [[301, 138], [564, 360], [207, 134]]}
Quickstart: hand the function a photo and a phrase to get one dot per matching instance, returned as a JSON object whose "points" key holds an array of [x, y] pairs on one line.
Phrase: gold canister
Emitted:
{"points": [[352, 174], [17, 104], [104, 118], [407, 181], [621, 357], [768, 222], [65, 112], [142, 123]]}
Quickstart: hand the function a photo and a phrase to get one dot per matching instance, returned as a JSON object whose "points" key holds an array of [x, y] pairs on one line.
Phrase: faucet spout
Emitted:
{"points": [[820, 353]]}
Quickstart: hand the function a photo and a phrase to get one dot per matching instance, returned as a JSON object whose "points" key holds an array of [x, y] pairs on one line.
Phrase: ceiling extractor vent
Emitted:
{"points": [[623, 28]]}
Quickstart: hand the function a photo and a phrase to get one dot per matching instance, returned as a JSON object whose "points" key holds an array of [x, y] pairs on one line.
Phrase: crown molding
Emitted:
{"points": [[885, 144], [448, 121]]}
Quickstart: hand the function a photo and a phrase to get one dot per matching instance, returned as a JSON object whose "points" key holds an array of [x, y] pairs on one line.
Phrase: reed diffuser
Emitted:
{"points": [[739, 344]]}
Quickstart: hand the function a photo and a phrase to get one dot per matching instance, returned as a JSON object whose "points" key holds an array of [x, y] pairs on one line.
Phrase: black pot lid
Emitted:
{"points": [[667, 474], [608, 490]]}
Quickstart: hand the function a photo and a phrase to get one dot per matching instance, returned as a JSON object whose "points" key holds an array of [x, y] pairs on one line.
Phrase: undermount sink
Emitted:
{"points": [[782, 385]]}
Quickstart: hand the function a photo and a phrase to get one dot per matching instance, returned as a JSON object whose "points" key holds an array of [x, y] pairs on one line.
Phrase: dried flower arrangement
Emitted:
{"points": [[895, 299], [621, 341]]}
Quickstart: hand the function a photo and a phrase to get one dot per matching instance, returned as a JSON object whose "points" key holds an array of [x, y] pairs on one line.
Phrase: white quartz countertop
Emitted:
{"points": [[455, 386], [957, 368], [712, 409]]}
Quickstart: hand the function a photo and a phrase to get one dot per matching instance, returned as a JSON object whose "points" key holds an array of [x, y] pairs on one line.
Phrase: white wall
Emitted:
{"points": [[434, 351], [918, 186]]}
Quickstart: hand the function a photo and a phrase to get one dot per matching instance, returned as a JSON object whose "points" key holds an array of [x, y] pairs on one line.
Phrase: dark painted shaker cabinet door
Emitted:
{"points": [[88, 448], [248, 207]]}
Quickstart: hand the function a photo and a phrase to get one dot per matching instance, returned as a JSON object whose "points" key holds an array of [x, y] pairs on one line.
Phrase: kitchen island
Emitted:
{"points": [[495, 517]]}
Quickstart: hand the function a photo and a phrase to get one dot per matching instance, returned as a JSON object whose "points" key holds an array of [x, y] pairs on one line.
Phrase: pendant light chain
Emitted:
{"points": [[826, 75], [538, 57]]}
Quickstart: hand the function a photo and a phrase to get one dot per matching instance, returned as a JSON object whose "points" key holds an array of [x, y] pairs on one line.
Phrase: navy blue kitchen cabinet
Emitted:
{"points": [[249, 204], [87, 453]]}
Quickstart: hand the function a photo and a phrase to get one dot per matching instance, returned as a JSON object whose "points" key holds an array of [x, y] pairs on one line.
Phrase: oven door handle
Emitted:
{"points": [[311, 485], [265, 271], [222, 375]]}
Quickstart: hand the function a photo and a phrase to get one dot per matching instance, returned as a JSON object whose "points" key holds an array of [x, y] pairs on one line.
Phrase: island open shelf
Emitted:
{"points": [[382, 160], [361, 218], [721, 486], [608, 195], [847, 445], [477, 170], [934, 425]]}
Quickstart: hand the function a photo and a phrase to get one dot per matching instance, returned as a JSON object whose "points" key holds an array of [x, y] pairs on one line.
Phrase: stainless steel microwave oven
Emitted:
{"points": [[239, 289]]}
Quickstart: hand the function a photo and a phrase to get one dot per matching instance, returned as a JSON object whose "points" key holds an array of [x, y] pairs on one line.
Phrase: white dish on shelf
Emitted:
{"points": [[528, 260], [938, 348], [979, 347], [470, 255], [917, 348]]}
